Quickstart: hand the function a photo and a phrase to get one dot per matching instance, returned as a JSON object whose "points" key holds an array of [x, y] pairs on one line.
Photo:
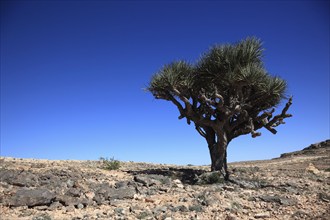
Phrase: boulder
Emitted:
{"points": [[18, 178], [32, 197], [105, 192]]}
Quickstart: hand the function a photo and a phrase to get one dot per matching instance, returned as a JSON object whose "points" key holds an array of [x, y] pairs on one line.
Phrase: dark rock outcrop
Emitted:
{"points": [[31, 197], [313, 149]]}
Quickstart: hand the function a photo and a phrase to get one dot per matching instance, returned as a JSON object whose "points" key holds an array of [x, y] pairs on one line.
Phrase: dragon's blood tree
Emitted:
{"points": [[226, 93]]}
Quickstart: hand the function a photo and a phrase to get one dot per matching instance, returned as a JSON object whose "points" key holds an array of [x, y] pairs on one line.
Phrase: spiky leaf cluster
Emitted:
{"points": [[236, 72]]}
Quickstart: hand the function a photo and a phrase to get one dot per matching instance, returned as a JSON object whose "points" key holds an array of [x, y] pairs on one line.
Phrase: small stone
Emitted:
{"points": [[70, 183], [287, 202], [181, 208], [178, 183], [163, 189], [55, 206], [158, 210], [144, 215], [42, 217], [73, 192], [229, 188], [90, 195], [230, 217], [138, 196], [120, 211], [163, 209], [149, 200], [80, 206], [267, 198], [262, 215], [99, 199], [312, 169], [197, 208], [70, 208], [67, 200], [183, 200], [121, 184], [300, 215], [41, 208], [324, 197]]}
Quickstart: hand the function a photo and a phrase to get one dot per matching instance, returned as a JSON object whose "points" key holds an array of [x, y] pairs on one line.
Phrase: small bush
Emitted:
{"points": [[110, 164], [210, 178]]}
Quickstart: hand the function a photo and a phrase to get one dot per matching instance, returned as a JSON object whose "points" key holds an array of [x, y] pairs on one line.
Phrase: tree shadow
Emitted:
{"points": [[185, 175]]}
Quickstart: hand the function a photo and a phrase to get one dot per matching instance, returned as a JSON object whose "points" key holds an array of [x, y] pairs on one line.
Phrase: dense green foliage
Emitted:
{"points": [[110, 164]]}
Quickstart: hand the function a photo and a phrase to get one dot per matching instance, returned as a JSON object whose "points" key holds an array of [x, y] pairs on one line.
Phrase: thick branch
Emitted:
{"points": [[203, 98], [246, 129], [242, 117], [214, 105], [264, 118], [178, 104], [278, 119], [253, 132], [189, 112], [184, 99]]}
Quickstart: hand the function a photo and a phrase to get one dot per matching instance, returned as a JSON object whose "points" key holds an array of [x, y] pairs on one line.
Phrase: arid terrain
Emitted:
{"points": [[293, 186]]}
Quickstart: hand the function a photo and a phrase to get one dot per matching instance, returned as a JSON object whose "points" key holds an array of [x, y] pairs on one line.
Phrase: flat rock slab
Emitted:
{"points": [[32, 197], [18, 178], [278, 199], [106, 192]]}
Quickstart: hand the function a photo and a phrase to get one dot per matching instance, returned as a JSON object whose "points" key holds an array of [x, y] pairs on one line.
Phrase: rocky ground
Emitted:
{"points": [[294, 186]]}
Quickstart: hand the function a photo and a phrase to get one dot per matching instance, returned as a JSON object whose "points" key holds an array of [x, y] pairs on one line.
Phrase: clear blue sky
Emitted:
{"points": [[73, 73]]}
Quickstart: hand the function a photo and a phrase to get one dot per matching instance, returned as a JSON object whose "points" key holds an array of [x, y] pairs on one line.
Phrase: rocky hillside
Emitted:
{"points": [[294, 186]]}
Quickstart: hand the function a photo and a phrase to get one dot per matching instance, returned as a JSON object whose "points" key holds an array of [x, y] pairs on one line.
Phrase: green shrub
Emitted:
{"points": [[110, 164], [210, 178]]}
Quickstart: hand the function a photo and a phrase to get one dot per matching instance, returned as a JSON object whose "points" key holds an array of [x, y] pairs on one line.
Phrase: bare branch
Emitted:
{"points": [[181, 117], [281, 116], [265, 116], [242, 117], [184, 99], [178, 104], [271, 129], [206, 100], [189, 112], [254, 134], [279, 119], [216, 101], [243, 128]]}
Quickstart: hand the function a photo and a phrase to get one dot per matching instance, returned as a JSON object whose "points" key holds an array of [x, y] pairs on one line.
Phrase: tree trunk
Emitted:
{"points": [[218, 153], [217, 143]]}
